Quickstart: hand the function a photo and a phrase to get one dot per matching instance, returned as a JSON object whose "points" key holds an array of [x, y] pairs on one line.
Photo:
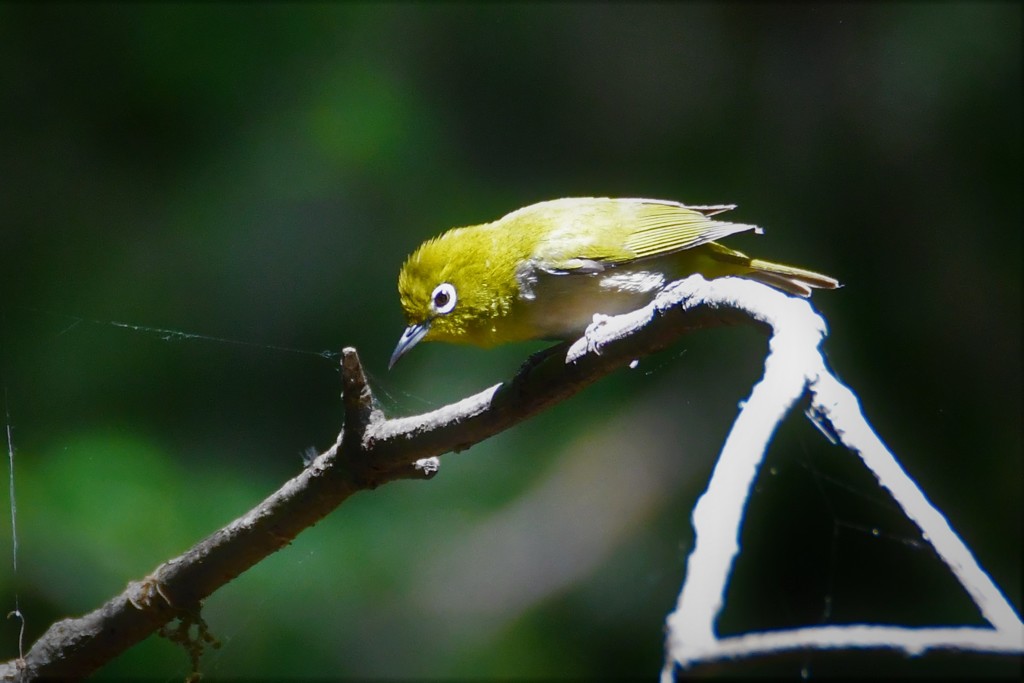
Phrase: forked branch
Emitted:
{"points": [[795, 366], [373, 450]]}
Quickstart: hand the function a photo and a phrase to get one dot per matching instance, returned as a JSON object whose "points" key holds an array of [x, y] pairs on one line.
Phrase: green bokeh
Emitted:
{"points": [[258, 172]]}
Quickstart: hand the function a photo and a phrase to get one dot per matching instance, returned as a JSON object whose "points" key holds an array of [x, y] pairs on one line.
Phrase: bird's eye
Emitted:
{"points": [[443, 299]]}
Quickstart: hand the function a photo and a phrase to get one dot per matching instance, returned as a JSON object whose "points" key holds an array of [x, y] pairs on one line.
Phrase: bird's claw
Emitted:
{"points": [[142, 594], [594, 346]]}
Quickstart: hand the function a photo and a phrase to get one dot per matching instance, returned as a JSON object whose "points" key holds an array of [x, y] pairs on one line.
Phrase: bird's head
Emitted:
{"points": [[455, 288]]}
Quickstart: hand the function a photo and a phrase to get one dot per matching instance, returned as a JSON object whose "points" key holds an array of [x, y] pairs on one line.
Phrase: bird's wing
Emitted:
{"points": [[590, 235]]}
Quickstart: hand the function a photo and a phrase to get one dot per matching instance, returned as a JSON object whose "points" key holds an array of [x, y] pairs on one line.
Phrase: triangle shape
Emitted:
{"points": [[795, 366]]}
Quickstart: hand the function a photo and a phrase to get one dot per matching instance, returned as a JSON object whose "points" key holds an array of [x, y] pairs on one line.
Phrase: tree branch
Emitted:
{"points": [[794, 366], [371, 451]]}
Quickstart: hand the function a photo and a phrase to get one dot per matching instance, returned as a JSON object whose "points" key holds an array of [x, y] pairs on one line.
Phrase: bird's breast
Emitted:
{"points": [[560, 306]]}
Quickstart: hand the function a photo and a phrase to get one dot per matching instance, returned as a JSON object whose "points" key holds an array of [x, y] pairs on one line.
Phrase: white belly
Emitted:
{"points": [[563, 305]]}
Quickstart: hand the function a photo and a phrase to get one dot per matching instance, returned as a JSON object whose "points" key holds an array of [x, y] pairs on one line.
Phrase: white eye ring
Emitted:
{"points": [[444, 298]]}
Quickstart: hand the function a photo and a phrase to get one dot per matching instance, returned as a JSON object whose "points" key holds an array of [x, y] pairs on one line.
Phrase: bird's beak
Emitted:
{"points": [[412, 335]]}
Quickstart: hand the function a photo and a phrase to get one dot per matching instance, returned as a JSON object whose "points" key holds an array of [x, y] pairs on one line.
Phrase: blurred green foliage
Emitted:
{"points": [[259, 171]]}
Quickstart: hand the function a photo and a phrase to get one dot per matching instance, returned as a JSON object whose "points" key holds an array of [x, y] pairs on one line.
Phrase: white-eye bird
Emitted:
{"points": [[542, 272]]}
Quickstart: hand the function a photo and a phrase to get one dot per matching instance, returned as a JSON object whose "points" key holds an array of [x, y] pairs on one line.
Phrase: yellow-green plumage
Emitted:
{"points": [[542, 272]]}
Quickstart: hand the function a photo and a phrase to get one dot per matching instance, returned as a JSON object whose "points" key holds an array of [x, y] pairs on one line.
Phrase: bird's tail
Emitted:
{"points": [[798, 281]]}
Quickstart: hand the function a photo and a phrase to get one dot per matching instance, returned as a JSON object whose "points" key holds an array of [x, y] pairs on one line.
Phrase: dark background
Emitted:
{"points": [[259, 172]]}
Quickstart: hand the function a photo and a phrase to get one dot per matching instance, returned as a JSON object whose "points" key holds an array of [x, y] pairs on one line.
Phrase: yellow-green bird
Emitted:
{"points": [[542, 272]]}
